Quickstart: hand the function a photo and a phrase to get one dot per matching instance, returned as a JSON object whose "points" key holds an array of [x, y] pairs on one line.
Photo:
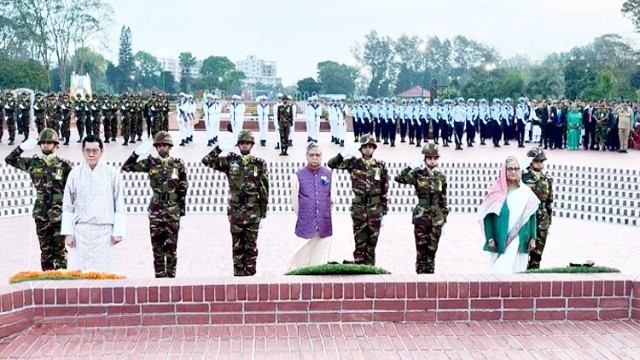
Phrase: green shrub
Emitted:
{"points": [[339, 269]]}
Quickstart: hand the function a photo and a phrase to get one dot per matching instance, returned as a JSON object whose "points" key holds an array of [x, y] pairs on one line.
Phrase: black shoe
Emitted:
{"points": [[482, 143], [520, 145], [446, 145], [132, 141], [79, 141], [11, 142], [263, 142], [496, 145], [393, 144], [458, 148], [402, 140], [385, 142], [125, 143], [113, 139], [470, 145], [139, 138], [106, 141], [341, 143], [65, 143], [309, 139], [182, 143], [411, 142], [209, 143], [277, 146]]}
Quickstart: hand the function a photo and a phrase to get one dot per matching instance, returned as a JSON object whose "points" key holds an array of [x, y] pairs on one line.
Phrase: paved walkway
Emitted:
{"points": [[205, 245], [468, 340]]}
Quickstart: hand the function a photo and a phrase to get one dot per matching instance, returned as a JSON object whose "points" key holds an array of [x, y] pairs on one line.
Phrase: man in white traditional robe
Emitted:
{"points": [[93, 219]]}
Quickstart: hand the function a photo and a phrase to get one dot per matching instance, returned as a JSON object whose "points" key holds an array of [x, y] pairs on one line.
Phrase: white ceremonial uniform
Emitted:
{"points": [[262, 109], [93, 212], [236, 116]]}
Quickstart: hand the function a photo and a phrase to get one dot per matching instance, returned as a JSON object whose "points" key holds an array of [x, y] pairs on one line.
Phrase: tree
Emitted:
{"points": [[187, 62], [216, 71], [22, 73], [631, 9], [148, 69], [308, 86], [51, 29], [335, 78], [167, 82], [377, 57], [125, 60], [87, 61]]}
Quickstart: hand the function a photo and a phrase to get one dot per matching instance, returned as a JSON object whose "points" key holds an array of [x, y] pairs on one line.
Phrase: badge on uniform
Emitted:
{"points": [[377, 177], [174, 174], [324, 179], [234, 167]]}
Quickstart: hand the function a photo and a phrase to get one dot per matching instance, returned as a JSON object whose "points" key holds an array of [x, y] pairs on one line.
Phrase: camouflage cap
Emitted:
{"points": [[537, 154], [48, 135], [368, 140], [431, 149], [246, 136], [162, 138]]}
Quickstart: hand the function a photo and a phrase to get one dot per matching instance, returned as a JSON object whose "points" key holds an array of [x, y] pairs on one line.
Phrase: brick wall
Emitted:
{"points": [[319, 299]]}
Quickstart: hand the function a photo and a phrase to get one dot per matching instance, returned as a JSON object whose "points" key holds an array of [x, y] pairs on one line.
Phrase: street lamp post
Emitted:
{"points": [[138, 63]]}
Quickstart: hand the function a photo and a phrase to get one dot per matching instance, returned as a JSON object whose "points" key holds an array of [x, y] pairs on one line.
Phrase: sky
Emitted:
{"points": [[298, 34]]}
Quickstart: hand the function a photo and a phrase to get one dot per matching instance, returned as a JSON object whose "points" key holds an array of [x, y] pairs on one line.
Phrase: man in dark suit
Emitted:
{"points": [[547, 117], [589, 125]]}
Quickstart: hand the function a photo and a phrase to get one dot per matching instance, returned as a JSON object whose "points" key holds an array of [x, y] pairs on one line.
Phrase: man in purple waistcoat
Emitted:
{"points": [[312, 194]]}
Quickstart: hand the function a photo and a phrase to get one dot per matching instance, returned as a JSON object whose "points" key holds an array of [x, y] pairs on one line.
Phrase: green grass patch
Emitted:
{"points": [[573, 270], [339, 269]]}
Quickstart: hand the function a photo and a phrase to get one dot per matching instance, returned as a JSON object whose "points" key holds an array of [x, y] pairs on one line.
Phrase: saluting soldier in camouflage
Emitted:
{"points": [[285, 120], [65, 113], [108, 117], [10, 107], [370, 184], [49, 176], [168, 177], [430, 214], [249, 196], [542, 186], [81, 115]]}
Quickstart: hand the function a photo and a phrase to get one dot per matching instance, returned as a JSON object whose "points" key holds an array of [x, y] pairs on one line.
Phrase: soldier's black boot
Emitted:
{"points": [[182, 143], [209, 143], [10, 141], [66, 142], [393, 143], [341, 143], [133, 141], [277, 146], [418, 143], [126, 142], [290, 143], [263, 142]]}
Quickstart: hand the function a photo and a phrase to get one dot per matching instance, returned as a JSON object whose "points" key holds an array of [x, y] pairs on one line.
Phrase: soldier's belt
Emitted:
{"points": [[163, 196], [426, 202], [359, 199]]}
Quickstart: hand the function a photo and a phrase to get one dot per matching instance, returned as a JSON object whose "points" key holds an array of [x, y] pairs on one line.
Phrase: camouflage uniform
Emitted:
{"points": [[430, 214], [9, 107], [136, 119], [65, 113], [542, 185], [39, 111], [81, 115], [249, 196], [165, 113], [285, 120], [52, 111], [24, 117], [370, 184], [125, 113], [108, 116], [114, 105], [602, 127], [1, 116], [96, 107], [49, 176], [168, 177]]}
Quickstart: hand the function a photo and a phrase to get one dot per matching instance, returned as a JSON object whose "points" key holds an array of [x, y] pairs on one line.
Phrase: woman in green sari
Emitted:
{"points": [[574, 127]]}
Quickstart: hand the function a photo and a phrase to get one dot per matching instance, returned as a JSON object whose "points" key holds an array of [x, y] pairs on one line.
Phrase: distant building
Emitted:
{"points": [[259, 71], [173, 66]]}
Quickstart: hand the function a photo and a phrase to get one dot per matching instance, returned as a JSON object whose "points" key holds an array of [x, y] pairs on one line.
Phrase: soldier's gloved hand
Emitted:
{"points": [[417, 163], [261, 224], [382, 222], [228, 144], [29, 144], [144, 148], [350, 151], [183, 222]]}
